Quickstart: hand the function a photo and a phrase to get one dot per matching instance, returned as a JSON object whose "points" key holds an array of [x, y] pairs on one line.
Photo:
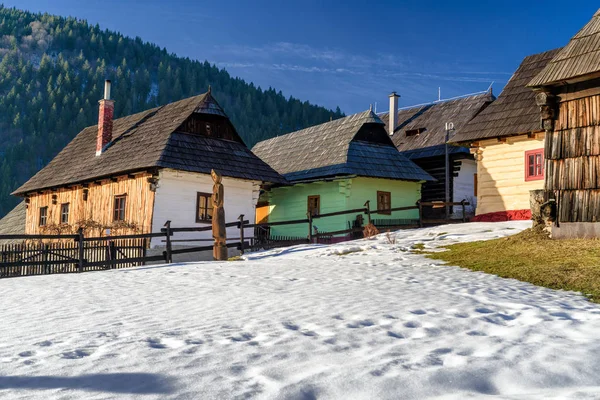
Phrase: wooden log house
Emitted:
{"points": [[419, 133], [568, 94], [133, 174], [508, 144]]}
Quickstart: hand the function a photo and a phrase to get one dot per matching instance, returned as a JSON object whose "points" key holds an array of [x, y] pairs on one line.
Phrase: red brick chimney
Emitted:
{"points": [[105, 120]]}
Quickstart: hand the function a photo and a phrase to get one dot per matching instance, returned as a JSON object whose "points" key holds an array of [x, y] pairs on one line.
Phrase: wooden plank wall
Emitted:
{"points": [[501, 174], [98, 207], [572, 153]]}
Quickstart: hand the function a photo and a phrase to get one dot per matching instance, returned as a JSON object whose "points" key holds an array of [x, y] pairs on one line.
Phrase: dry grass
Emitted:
{"points": [[531, 256]]}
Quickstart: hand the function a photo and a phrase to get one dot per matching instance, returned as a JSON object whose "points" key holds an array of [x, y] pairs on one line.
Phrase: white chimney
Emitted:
{"points": [[393, 122]]}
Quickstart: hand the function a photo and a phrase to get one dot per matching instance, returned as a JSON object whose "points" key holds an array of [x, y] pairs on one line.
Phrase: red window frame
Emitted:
{"points": [[534, 165]]}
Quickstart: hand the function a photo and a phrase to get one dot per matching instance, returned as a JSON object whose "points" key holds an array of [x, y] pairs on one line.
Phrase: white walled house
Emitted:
{"points": [[178, 199], [132, 174]]}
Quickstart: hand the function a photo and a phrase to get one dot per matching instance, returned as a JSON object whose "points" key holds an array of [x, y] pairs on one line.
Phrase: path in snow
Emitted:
{"points": [[358, 320]]}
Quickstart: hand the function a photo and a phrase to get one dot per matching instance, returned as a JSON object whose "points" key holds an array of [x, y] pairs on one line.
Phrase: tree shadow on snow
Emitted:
{"points": [[134, 383]]}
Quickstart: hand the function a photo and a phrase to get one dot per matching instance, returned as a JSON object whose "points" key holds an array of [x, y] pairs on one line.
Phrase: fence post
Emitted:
{"points": [[112, 251], [310, 227], [368, 205], [241, 225], [145, 245], [45, 255], [168, 253], [420, 213], [81, 250], [464, 216]]}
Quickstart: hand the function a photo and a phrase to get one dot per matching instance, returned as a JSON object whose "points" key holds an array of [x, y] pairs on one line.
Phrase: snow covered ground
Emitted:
{"points": [[357, 320]]}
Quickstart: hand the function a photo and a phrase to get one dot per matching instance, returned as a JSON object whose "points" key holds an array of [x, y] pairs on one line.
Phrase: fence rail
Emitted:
{"points": [[76, 253]]}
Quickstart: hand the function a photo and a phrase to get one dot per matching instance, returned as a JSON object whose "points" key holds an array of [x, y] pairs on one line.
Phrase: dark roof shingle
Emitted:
{"points": [[514, 111], [331, 149], [578, 58], [146, 140], [13, 223], [432, 118]]}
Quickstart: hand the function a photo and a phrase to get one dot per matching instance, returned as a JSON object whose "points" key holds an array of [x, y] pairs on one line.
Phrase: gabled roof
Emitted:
{"points": [[578, 58], [339, 147], [150, 140], [514, 111], [430, 121], [13, 223]]}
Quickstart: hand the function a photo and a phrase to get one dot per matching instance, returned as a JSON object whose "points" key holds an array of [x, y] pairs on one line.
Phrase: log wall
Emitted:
{"points": [[95, 213], [572, 153]]}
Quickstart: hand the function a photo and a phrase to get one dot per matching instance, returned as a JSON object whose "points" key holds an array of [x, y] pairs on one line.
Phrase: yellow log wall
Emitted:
{"points": [[98, 207], [501, 184]]}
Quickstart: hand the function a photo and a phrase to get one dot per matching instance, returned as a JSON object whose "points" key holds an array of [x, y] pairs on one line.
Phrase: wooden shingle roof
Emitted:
{"points": [[514, 111], [430, 120], [337, 148], [579, 58], [150, 140], [13, 223]]}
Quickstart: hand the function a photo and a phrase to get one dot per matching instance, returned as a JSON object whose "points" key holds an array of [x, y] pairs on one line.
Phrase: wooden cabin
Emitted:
{"points": [[420, 134], [568, 93], [133, 174], [508, 144], [338, 166]]}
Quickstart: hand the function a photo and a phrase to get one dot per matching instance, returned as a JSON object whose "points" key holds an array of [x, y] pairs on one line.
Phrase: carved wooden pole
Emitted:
{"points": [[219, 230]]}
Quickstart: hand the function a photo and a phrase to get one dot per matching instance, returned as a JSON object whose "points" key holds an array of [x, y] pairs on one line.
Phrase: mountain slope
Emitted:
{"points": [[52, 72]]}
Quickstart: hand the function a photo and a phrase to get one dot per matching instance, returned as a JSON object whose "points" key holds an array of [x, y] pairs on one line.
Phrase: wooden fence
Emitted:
{"points": [[54, 254]]}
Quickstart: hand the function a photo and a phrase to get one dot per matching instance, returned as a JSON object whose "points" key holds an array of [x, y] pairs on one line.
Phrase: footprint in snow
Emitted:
{"points": [[291, 326], [155, 343], [418, 312], [442, 350], [242, 337], [396, 335], [476, 333], [45, 343], [461, 315], [360, 324], [309, 333], [484, 310], [75, 354], [412, 324], [27, 353], [194, 341]]}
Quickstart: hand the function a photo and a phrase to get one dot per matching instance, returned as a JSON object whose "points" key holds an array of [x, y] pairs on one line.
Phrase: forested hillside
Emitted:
{"points": [[52, 75]]}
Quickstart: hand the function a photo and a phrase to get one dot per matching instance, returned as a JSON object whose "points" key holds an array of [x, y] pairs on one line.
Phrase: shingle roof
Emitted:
{"points": [[432, 119], [147, 140], [333, 148], [13, 223], [578, 58], [514, 111]]}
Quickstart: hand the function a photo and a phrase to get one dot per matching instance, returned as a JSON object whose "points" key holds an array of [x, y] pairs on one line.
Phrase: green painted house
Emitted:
{"points": [[337, 166]]}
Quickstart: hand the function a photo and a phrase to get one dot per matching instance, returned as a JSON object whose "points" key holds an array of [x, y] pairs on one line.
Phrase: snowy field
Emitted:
{"points": [[358, 320]]}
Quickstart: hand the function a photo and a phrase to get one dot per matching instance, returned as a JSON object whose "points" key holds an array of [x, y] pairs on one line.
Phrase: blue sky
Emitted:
{"points": [[347, 53]]}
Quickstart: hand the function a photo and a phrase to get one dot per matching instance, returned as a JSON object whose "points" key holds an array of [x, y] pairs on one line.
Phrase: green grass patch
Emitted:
{"points": [[531, 256], [235, 258]]}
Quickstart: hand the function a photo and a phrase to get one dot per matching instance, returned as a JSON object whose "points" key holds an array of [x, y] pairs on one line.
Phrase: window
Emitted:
{"points": [[534, 165], [384, 202], [204, 207], [64, 213], [119, 208], [43, 216], [415, 132], [314, 205]]}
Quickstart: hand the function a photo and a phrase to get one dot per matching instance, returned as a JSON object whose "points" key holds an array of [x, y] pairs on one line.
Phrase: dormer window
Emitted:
{"points": [[415, 132]]}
